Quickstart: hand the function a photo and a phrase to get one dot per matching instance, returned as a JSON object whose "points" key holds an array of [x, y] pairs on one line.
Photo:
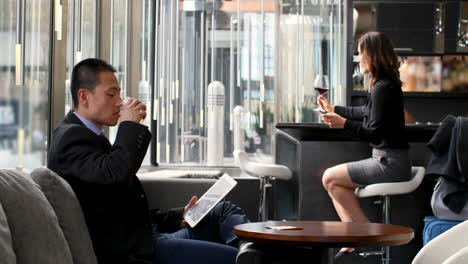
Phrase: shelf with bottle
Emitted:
{"points": [[455, 74], [417, 73], [441, 75], [420, 73]]}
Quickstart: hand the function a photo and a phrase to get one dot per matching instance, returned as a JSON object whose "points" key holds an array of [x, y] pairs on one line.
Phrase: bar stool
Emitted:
{"points": [[385, 190], [265, 172]]}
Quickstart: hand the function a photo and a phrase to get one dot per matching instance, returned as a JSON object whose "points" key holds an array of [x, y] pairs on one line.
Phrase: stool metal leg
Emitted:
{"points": [[386, 220], [262, 199]]}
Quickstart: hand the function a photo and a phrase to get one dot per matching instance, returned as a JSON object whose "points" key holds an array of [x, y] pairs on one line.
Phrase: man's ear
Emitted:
{"points": [[83, 97]]}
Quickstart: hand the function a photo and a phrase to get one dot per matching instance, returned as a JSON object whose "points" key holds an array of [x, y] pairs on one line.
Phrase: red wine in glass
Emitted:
{"points": [[321, 90], [321, 86]]}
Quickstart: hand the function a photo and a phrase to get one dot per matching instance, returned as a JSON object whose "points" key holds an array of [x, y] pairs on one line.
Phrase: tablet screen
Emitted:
{"points": [[212, 197]]}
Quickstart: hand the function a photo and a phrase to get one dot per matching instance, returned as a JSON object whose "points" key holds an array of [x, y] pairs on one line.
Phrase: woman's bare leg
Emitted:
{"points": [[339, 186]]}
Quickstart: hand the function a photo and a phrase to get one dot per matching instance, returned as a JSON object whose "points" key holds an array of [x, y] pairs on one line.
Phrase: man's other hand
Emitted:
{"points": [[133, 110], [192, 202]]}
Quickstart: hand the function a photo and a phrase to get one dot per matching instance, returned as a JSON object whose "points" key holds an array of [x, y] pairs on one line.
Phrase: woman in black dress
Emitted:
{"points": [[380, 121]]}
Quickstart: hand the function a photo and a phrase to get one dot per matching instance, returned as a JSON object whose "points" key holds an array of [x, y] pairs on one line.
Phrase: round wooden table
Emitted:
{"points": [[320, 236]]}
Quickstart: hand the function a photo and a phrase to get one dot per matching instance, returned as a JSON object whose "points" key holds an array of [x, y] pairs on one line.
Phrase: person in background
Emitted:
{"points": [[381, 122], [103, 176]]}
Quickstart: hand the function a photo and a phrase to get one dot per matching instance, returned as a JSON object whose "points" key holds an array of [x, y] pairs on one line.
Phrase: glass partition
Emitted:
{"points": [[24, 78], [226, 71], [311, 54]]}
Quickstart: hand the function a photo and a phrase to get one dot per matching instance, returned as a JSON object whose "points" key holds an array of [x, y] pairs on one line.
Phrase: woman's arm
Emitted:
{"points": [[352, 112], [356, 113], [381, 102]]}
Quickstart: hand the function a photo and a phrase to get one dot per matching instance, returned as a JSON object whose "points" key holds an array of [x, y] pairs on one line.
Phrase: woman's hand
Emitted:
{"points": [[325, 104], [192, 202], [333, 120]]}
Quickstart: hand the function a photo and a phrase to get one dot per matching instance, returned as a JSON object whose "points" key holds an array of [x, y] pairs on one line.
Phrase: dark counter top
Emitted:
{"points": [[321, 132], [436, 95]]}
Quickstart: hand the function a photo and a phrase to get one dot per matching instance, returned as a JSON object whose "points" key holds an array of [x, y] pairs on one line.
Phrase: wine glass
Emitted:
{"points": [[322, 86]]}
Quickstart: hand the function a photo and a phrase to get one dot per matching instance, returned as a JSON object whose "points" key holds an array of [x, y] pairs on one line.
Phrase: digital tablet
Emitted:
{"points": [[212, 197]]}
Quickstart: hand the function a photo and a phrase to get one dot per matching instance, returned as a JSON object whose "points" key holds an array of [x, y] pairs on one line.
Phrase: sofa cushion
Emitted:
{"points": [[68, 210], [6, 250], [35, 231]]}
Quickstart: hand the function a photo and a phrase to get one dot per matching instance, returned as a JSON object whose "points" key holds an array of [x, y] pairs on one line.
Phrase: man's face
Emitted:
{"points": [[104, 104]]}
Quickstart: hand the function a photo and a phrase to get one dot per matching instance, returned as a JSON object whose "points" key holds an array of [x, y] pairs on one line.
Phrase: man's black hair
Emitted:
{"points": [[85, 75]]}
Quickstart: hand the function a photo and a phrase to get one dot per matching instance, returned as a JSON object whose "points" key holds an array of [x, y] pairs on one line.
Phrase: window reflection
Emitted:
{"points": [[235, 43], [24, 107]]}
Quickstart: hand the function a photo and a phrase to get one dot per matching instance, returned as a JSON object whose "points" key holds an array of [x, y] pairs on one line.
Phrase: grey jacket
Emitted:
{"points": [[449, 147]]}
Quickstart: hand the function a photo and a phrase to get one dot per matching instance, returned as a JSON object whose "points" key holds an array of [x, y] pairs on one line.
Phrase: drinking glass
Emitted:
{"points": [[322, 86]]}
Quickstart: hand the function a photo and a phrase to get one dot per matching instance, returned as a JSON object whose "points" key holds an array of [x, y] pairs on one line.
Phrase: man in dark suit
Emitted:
{"points": [[122, 227]]}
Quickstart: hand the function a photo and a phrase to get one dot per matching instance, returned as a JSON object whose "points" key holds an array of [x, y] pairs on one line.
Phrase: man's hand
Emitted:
{"points": [[133, 110], [333, 120], [192, 202], [325, 104]]}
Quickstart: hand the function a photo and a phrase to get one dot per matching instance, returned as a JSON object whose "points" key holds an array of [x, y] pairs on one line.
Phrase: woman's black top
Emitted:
{"points": [[381, 121]]}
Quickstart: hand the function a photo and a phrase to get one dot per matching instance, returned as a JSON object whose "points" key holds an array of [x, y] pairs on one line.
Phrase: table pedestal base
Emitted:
{"points": [[251, 253]]}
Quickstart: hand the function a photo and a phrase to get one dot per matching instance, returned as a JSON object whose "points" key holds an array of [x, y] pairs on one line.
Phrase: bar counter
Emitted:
{"points": [[309, 149], [322, 132]]}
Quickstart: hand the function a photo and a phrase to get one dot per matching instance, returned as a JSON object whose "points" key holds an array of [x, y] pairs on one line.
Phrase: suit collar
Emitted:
{"points": [[71, 118]]}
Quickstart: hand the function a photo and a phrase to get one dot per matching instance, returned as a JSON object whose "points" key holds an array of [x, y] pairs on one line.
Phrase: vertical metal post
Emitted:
{"points": [[156, 82], [182, 106], [262, 201], [162, 55], [111, 57], [170, 77], [176, 81], [202, 65], [143, 49], [96, 29], [168, 80], [19, 65], [127, 67], [238, 45], [331, 57], [72, 33], [303, 53], [262, 65], [80, 31], [231, 72], [386, 220], [249, 69], [176, 45], [297, 117], [213, 43]]}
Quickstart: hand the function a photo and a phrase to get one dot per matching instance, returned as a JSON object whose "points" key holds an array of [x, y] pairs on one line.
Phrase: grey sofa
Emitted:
{"points": [[41, 220]]}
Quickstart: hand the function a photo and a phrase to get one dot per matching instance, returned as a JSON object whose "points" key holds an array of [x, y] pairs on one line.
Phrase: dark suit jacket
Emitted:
{"points": [[449, 147], [111, 196]]}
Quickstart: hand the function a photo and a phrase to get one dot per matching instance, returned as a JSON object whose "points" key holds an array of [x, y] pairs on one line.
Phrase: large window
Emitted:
{"points": [[24, 77], [311, 53], [221, 65], [215, 75]]}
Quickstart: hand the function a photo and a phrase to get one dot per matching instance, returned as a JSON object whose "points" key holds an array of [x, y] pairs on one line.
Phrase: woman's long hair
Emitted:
{"points": [[382, 59]]}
